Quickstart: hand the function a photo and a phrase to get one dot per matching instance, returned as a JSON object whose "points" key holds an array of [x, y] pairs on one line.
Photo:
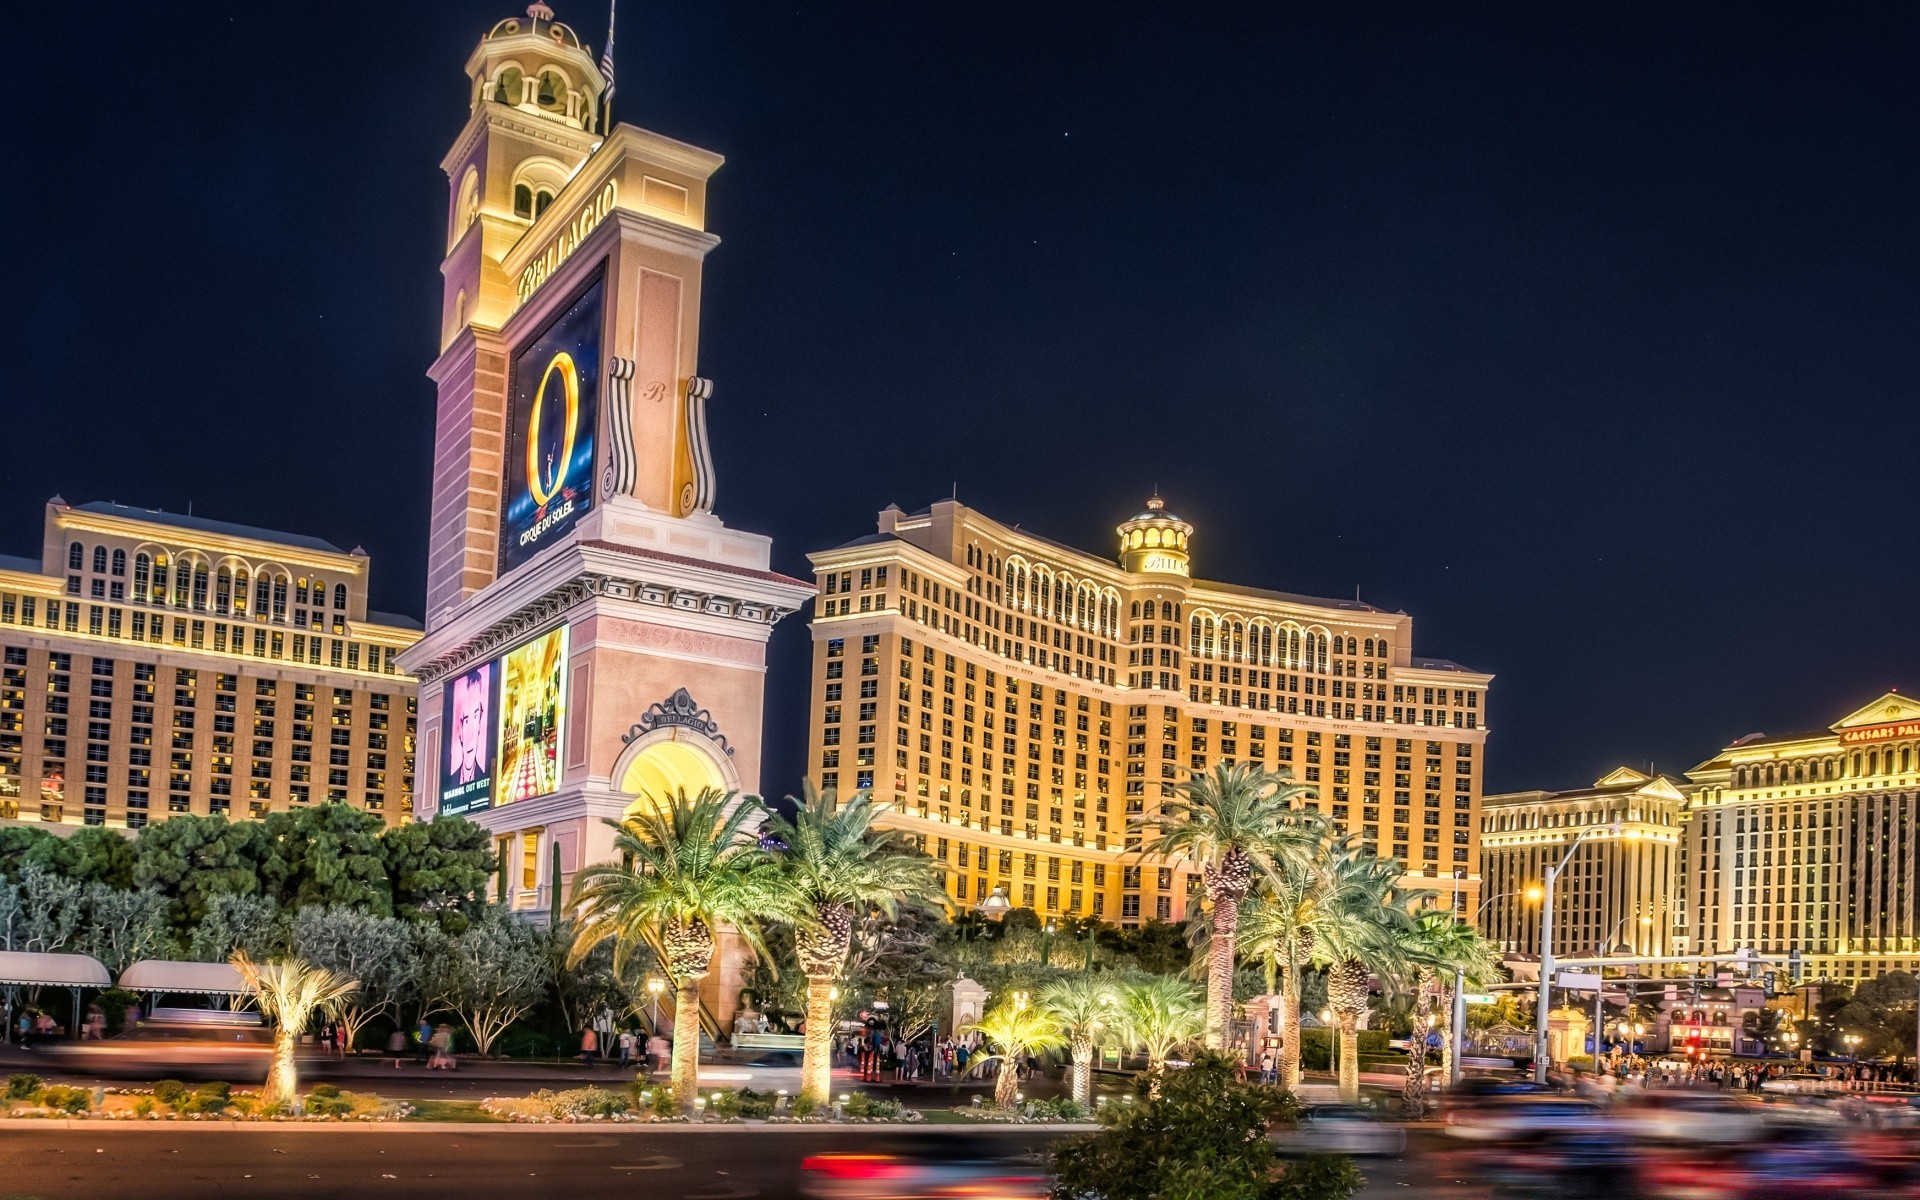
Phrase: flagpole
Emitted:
{"points": [[606, 71]]}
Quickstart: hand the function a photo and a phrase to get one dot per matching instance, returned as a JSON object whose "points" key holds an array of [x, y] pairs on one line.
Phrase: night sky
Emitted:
{"points": [[1584, 334]]}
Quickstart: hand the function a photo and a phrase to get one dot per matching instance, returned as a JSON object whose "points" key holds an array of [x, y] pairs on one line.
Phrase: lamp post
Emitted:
{"points": [[1459, 1030], [1541, 1008], [1046, 942], [655, 985], [995, 906]]}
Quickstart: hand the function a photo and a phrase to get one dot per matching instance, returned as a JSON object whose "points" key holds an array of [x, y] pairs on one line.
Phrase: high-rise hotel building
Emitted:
{"points": [[1018, 702], [1800, 841], [152, 663]]}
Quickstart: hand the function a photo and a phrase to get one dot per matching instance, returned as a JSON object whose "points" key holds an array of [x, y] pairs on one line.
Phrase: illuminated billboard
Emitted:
{"points": [[533, 705], [553, 410], [471, 733]]}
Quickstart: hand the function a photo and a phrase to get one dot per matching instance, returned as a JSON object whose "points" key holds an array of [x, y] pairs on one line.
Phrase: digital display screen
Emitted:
{"points": [[533, 707], [553, 409], [471, 734]]}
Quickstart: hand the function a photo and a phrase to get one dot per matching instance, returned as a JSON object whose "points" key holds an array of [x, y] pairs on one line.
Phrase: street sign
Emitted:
{"points": [[1577, 981], [1771, 979], [1478, 998]]}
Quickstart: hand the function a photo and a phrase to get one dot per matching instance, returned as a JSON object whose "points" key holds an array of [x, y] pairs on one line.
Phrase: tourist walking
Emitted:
{"points": [[589, 1047]]}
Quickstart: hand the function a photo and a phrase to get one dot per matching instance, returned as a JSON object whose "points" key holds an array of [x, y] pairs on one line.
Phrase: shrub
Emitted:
{"points": [[1066, 1108], [170, 1092], [744, 1103], [1204, 1135], [66, 1099], [23, 1086], [861, 1105], [328, 1101], [803, 1106], [143, 1107], [586, 1102], [208, 1098]]}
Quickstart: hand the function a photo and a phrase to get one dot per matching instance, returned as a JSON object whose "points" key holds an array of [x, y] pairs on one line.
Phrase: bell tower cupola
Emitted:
{"points": [[1154, 542]]}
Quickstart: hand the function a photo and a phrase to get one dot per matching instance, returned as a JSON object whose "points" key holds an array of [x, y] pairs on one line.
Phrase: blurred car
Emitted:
{"points": [[178, 1043], [931, 1168], [763, 1071], [1679, 1115], [1526, 1117], [1800, 1084], [1794, 1159], [1341, 1129]]}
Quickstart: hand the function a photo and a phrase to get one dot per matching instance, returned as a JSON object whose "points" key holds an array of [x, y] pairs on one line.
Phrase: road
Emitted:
{"points": [[710, 1163]]}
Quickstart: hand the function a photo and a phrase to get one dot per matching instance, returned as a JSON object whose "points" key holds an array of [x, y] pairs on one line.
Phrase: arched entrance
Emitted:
{"points": [[662, 762]]}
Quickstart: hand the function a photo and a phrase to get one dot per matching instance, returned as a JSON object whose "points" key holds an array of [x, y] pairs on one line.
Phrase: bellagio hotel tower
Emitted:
{"points": [[1017, 702]]}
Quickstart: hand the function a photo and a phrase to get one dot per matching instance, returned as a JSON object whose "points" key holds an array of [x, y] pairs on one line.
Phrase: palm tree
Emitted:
{"points": [[1277, 926], [1160, 1014], [1355, 937], [834, 862], [290, 993], [686, 867], [1435, 945], [1087, 1007], [1238, 823], [1016, 1029]]}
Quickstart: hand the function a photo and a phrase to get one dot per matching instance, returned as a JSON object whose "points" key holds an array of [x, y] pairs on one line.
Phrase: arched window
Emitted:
{"points": [[523, 201], [240, 591], [119, 563], [340, 595], [223, 590], [99, 560], [141, 566], [76, 556], [160, 579], [260, 588]]}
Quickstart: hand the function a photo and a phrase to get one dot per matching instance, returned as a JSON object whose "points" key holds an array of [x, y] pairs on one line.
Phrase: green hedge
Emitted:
{"points": [[1316, 1048]]}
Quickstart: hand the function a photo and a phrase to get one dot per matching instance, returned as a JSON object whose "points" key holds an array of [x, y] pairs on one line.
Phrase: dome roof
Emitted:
{"points": [[539, 20], [1156, 511]]}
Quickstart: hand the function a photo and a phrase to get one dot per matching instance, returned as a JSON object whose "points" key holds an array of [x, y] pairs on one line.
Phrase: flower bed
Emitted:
{"points": [[171, 1100], [1029, 1112]]}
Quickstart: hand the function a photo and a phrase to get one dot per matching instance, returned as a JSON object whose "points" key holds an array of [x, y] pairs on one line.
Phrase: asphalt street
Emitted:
{"points": [[702, 1163]]}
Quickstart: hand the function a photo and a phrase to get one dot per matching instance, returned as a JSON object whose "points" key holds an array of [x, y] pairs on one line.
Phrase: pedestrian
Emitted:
{"points": [[589, 1047], [423, 1036], [658, 1050], [627, 1041], [443, 1049], [397, 1046]]}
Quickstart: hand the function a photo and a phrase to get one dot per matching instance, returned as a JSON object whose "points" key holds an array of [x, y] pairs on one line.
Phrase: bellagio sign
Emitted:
{"points": [[584, 221]]}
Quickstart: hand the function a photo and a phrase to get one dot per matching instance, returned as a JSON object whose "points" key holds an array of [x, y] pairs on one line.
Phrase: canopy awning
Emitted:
{"points": [[32, 969], [197, 978]]}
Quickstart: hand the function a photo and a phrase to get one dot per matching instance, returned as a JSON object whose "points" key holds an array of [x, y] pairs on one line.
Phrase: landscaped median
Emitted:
{"points": [[170, 1100]]}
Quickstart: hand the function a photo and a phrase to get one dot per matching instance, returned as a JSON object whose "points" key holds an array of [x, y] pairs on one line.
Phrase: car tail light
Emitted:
{"points": [[1003, 1187], [853, 1166]]}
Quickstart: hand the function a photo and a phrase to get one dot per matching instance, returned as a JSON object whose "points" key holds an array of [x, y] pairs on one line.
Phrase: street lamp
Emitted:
{"points": [[1540, 1052], [1020, 1000], [1459, 1031], [1046, 941], [655, 985]]}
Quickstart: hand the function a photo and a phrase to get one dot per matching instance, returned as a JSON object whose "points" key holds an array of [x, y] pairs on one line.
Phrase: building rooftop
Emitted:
{"points": [[396, 620], [12, 562], [108, 508]]}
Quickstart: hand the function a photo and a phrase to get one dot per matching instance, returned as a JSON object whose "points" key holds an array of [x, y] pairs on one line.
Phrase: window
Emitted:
{"points": [[76, 556]]}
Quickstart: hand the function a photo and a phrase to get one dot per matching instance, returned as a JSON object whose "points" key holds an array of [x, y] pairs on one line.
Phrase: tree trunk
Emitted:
{"points": [[1220, 957], [283, 1077], [816, 1060], [686, 1042], [1349, 1059], [1083, 1072], [1450, 1037], [1290, 1030], [1006, 1087]]}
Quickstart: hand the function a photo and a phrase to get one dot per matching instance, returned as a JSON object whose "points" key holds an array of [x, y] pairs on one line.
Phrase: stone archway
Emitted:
{"points": [[663, 761]]}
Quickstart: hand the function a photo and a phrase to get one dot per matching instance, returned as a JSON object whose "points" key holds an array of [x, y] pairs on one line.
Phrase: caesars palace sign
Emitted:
{"points": [[585, 220], [1880, 733]]}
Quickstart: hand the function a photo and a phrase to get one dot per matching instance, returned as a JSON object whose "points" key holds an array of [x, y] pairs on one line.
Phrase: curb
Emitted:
{"points": [[511, 1127]]}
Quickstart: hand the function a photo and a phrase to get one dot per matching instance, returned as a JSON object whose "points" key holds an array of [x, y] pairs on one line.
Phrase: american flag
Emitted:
{"points": [[606, 60]]}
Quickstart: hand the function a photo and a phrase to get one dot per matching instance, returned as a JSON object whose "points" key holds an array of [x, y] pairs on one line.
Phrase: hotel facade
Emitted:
{"points": [[154, 664], [1019, 702], [1805, 842]]}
